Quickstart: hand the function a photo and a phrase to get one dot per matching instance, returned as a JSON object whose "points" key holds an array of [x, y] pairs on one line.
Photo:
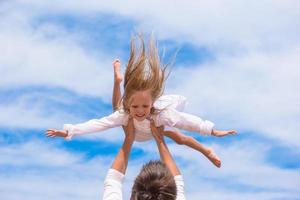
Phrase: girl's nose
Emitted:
{"points": [[140, 110]]}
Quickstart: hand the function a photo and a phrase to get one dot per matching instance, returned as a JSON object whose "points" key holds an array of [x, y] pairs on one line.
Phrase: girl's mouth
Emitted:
{"points": [[140, 115]]}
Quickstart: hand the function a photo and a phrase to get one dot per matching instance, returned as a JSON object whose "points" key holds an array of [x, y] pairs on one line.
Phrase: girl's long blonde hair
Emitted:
{"points": [[144, 71]]}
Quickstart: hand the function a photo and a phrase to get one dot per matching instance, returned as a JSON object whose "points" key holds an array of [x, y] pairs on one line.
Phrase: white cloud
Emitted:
{"points": [[28, 155], [20, 115], [50, 55], [210, 23], [45, 170], [252, 85], [41, 170], [256, 92]]}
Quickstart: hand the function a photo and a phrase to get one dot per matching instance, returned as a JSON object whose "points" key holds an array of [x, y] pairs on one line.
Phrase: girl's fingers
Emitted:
{"points": [[161, 128], [51, 136], [152, 123], [153, 128]]}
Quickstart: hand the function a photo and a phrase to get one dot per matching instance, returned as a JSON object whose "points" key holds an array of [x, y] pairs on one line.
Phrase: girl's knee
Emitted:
{"points": [[182, 140]]}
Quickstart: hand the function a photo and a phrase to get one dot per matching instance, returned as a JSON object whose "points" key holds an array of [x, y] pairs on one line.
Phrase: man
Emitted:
{"points": [[158, 180]]}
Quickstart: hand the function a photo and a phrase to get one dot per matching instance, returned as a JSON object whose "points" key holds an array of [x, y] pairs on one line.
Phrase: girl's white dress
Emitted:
{"points": [[171, 117]]}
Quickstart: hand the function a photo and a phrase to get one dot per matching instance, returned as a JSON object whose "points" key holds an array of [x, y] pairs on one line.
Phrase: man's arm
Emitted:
{"points": [[121, 161], [114, 179], [168, 160], [164, 152]]}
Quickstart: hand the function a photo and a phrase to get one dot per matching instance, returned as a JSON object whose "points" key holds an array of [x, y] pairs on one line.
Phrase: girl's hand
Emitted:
{"points": [[219, 133], [56, 133], [157, 132]]}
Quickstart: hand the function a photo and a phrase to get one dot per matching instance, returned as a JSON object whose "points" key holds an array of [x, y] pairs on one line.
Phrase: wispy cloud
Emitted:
{"points": [[50, 55], [256, 92], [41, 107]]}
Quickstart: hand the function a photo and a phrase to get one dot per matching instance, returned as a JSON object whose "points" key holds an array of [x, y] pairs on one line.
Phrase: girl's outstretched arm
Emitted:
{"points": [[173, 118], [116, 119]]}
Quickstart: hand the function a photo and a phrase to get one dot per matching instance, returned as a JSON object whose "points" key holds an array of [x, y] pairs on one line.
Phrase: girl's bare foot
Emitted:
{"points": [[213, 158], [218, 133], [117, 71]]}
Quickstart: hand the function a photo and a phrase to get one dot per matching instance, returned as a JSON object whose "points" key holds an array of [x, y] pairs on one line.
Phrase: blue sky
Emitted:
{"points": [[240, 58]]}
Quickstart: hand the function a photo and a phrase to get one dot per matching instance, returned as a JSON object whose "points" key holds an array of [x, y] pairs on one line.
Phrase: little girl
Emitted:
{"points": [[143, 101]]}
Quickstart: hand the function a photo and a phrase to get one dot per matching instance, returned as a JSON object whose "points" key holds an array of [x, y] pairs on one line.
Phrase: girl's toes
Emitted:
{"points": [[214, 158]]}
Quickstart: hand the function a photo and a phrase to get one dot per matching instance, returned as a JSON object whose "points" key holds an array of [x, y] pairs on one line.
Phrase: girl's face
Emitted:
{"points": [[141, 104]]}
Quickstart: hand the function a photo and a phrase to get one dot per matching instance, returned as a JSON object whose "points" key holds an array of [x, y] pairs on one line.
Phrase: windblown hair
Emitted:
{"points": [[144, 71], [154, 182]]}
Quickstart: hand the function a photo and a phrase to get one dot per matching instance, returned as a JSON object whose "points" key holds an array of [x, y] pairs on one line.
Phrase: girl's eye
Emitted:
{"points": [[145, 106], [134, 106]]}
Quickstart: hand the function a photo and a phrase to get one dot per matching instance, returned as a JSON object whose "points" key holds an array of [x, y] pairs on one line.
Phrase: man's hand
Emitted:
{"points": [[129, 129], [157, 132]]}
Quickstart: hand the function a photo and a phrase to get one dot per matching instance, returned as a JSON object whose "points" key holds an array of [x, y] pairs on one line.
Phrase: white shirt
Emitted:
{"points": [[114, 181], [170, 117]]}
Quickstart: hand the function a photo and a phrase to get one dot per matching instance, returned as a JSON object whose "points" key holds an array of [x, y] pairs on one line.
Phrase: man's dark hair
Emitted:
{"points": [[154, 182]]}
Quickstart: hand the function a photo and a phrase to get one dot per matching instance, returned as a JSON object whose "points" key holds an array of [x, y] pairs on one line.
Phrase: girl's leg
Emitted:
{"points": [[116, 98], [180, 138]]}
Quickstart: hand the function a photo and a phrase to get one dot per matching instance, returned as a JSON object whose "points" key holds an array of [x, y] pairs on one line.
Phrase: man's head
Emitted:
{"points": [[154, 182]]}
